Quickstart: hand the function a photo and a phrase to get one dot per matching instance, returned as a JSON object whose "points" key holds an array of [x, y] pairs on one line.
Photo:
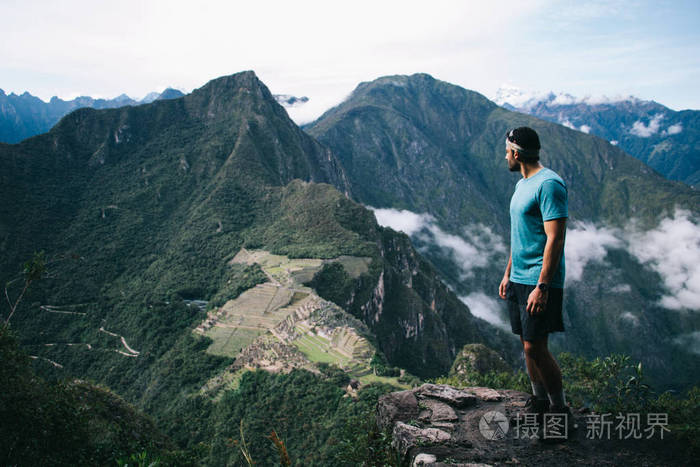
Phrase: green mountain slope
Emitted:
{"points": [[67, 422], [416, 143]]}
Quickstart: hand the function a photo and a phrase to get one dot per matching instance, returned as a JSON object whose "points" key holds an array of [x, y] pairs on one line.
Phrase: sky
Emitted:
{"points": [[324, 49]]}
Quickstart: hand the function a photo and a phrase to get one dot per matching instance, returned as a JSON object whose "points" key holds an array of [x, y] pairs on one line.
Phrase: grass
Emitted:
{"points": [[372, 378], [229, 341]]}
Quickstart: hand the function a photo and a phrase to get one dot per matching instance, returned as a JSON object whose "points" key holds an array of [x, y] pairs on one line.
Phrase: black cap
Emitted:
{"points": [[525, 137]]}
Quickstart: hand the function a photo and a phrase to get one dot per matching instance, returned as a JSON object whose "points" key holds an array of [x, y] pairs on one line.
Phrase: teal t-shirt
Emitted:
{"points": [[541, 197]]}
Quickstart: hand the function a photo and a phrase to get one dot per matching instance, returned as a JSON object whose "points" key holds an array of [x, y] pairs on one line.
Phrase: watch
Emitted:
{"points": [[543, 287]]}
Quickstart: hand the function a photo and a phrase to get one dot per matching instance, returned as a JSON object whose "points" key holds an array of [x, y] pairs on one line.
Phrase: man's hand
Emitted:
{"points": [[502, 287], [537, 301]]}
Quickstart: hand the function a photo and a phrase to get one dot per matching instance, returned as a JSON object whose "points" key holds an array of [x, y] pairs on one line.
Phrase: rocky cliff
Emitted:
{"points": [[437, 425]]}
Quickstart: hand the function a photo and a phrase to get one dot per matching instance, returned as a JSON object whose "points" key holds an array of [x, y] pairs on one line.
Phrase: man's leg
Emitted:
{"points": [[538, 388], [544, 369]]}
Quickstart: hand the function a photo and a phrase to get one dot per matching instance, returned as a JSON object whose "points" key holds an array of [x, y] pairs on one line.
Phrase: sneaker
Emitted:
{"points": [[536, 406], [559, 425], [528, 421]]}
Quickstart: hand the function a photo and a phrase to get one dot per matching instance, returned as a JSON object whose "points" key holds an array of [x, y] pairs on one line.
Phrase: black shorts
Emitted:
{"points": [[537, 326]]}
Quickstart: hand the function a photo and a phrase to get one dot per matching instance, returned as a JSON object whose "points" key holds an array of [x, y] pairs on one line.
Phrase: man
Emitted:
{"points": [[534, 278]]}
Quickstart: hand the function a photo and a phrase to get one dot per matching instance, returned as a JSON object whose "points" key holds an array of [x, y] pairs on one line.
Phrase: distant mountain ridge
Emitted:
{"points": [[666, 140], [25, 115]]}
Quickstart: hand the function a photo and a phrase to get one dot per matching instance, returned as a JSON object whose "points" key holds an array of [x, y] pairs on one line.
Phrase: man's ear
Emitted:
{"points": [[516, 155]]}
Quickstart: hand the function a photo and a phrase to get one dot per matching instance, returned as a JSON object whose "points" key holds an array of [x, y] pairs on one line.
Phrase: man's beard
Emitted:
{"points": [[514, 167]]}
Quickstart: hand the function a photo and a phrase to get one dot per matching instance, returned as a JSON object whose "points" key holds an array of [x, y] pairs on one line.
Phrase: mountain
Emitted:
{"points": [[431, 156], [192, 240], [26, 115], [206, 167], [170, 93], [666, 140]]}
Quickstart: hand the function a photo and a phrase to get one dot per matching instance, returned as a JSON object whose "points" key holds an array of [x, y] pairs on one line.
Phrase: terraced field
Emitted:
{"points": [[284, 310], [254, 312]]}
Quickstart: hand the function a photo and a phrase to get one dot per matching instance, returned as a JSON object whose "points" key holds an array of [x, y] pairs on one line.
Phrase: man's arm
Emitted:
{"points": [[555, 230], [506, 278]]}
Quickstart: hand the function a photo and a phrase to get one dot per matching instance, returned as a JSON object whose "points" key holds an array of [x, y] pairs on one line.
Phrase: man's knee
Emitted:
{"points": [[536, 349]]}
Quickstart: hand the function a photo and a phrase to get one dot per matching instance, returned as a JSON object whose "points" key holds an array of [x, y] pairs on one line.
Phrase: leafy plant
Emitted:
{"points": [[610, 384], [138, 460]]}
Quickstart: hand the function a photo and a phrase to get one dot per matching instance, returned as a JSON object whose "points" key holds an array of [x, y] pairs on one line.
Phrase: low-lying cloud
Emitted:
{"points": [[621, 288], [630, 317], [404, 221], [586, 243], [567, 123], [526, 100], [485, 307], [474, 249], [690, 341], [672, 249], [646, 130], [674, 129]]}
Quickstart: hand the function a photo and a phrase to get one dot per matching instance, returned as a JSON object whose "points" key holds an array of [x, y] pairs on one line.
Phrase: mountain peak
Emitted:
{"points": [[400, 81], [170, 93], [244, 79], [418, 96]]}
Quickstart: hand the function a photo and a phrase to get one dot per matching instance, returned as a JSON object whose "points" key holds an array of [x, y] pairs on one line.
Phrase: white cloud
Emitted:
{"points": [[509, 94], [475, 249], [526, 100], [563, 99], [630, 317], [672, 250], [486, 308], [645, 131], [691, 341], [404, 221], [614, 142], [585, 243], [567, 123], [585, 128], [674, 129], [621, 288]]}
